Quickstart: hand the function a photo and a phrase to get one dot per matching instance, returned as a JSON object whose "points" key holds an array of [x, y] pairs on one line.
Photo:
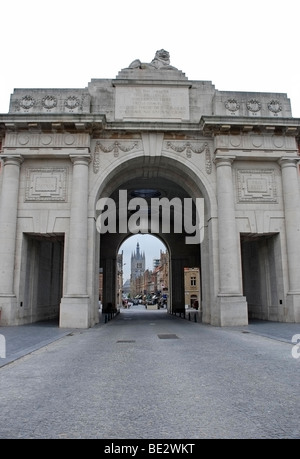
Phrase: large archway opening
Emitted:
{"points": [[166, 180], [143, 271]]}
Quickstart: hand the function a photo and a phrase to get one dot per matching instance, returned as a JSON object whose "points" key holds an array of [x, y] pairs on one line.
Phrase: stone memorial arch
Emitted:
{"points": [[150, 132]]}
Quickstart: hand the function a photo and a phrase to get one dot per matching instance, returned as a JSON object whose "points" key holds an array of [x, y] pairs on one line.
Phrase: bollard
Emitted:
{"points": [[189, 316], [195, 317]]}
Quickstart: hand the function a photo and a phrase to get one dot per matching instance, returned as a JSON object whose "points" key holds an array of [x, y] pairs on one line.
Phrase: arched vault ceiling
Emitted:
{"points": [[163, 175], [169, 181]]}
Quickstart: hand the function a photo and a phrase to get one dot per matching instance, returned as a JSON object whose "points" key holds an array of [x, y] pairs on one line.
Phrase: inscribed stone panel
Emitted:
{"points": [[152, 103]]}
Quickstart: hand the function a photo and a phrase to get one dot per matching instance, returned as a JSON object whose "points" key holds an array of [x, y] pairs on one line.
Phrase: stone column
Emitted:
{"points": [[8, 231], [231, 305], [291, 199], [230, 280], [75, 304]]}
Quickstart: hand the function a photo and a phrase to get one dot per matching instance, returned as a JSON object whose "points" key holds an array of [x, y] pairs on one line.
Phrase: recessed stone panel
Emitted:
{"points": [[256, 186], [49, 184]]}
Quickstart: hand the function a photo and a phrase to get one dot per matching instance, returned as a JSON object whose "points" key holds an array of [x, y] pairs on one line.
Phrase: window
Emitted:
{"points": [[193, 281]]}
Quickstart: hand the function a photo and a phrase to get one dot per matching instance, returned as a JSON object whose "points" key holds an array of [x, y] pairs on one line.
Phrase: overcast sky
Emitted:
{"points": [[237, 45]]}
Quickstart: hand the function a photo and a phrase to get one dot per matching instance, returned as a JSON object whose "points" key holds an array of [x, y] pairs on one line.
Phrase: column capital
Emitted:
{"points": [[224, 160], [80, 159], [14, 160], [289, 161]]}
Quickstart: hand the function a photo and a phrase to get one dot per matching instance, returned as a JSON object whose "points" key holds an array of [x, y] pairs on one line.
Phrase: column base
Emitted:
{"points": [[74, 312], [8, 310], [230, 311]]}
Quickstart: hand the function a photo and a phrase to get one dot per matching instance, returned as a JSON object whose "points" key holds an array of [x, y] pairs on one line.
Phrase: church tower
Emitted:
{"points": [[137, 263]]}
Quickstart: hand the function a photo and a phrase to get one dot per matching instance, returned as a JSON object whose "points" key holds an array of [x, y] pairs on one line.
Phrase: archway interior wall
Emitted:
{"points": [[41, 278], [263, 277]]}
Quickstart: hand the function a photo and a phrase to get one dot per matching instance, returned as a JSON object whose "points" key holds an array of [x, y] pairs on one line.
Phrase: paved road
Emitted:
{"points": [[150, 375]]}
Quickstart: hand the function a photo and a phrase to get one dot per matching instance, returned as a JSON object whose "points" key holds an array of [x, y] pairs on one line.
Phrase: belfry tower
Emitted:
{"points": [[137, 263]]}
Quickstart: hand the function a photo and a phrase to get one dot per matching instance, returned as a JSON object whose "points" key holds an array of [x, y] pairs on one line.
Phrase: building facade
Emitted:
{"points": [[192, 288], [149, 133]]}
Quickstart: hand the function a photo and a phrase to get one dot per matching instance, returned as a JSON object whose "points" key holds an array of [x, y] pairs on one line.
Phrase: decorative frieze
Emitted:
{"points": [[46, 184], [108, 147], [256, 186], [49, 140], [188, 147], [266, 142]]}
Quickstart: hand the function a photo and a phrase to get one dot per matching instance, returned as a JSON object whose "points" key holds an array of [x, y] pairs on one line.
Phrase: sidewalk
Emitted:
{"points": [[280, 331], [24, 339], [274, 330]]}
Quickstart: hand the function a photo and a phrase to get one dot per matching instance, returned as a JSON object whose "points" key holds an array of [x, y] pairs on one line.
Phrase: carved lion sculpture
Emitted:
{"points": [[160, 61]]}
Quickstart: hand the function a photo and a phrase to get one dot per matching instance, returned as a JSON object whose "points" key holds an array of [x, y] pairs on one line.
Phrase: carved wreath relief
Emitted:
{"points": [[232, 105], [26, 102], [253, 106], [49, 102]]}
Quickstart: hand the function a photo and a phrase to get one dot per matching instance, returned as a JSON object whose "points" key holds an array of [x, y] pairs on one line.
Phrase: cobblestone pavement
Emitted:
{"points": [[147, 374]]}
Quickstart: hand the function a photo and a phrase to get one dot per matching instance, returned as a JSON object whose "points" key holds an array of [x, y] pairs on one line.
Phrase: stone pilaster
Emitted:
{"points": [[291, 198], [8, 230], [231, 305], [75, 303]]}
